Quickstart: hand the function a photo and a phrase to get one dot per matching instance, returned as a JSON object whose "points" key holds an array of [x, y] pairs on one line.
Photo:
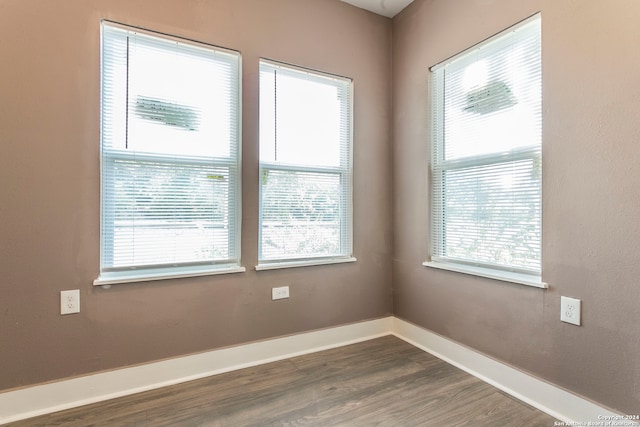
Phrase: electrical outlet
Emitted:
{"points": [[570, 310], [279, 293], [70, 301]]}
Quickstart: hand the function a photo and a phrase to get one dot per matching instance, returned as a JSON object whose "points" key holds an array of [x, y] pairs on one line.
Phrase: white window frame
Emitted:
{"points": [[439, 165], [345, 171], [110, 274]]}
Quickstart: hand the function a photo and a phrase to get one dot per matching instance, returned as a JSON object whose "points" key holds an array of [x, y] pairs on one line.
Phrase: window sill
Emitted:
{"points": [[115, 278], [505, 276], [302, 263]]}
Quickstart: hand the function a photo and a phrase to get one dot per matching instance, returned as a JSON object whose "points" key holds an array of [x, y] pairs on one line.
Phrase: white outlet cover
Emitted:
{"points": [[70, 301], [570, 310], [279, 293]]}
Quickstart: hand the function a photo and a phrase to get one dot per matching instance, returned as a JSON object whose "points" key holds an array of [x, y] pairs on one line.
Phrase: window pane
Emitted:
{"points": [[492, 99], [301, 214], [487, 221], [179, 100], [165, 213], [301, 119]]}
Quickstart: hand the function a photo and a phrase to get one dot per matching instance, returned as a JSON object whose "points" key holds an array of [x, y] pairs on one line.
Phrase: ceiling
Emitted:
{"points": [[388, 8]]}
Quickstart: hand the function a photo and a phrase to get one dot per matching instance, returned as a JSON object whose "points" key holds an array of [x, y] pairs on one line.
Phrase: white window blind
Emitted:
{"points": [[486, 154], [170, 156], [305, 164]]}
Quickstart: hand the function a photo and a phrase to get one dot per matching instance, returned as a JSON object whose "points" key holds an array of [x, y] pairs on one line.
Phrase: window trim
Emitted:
{"points": [[131, 274], [534, 153], [346, 239], [310, 262], [120, 277], [501, 275]]}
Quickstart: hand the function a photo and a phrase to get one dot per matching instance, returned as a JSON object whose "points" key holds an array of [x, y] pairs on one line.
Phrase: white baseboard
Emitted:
{"points": [[70, 393], [560, 404], [57, 396]]}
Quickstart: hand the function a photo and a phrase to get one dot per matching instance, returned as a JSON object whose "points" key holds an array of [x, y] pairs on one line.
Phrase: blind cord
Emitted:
{"points": [[126, 125], [275, 115]]}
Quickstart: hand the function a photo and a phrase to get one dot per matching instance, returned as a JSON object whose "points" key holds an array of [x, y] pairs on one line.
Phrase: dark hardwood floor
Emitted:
{"points": [[382, 382]]}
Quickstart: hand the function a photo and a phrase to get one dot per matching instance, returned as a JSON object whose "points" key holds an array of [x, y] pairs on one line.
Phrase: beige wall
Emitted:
{"points": [[49, 187], [591, 205]]}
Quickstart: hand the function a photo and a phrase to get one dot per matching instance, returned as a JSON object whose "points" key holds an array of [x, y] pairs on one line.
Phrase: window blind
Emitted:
{"points": [[486, 154], [170, 153], [305, 164]]}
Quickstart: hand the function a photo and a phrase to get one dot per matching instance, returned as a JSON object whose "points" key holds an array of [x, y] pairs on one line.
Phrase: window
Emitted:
{"points": [[486, 158], [305, 167], [170, 157]]}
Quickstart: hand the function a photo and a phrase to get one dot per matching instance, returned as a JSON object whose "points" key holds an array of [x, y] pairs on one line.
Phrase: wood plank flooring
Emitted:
{"points": [[382, 382]]}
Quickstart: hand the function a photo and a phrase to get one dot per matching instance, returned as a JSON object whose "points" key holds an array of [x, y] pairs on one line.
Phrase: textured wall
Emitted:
{"points": [[49, 187], [591, 206]]}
